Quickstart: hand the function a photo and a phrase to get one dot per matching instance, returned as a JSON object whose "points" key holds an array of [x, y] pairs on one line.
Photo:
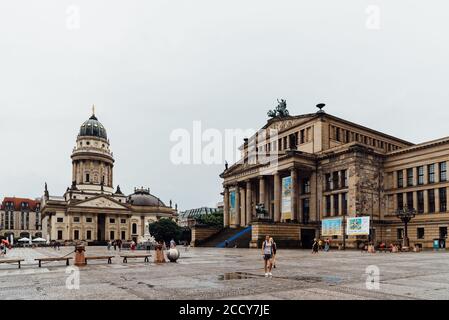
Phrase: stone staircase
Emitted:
{"points": [[239, 236]]}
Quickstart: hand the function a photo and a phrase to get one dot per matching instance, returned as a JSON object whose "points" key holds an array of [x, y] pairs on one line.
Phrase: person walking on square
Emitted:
{"points": [[267, 251], [315, 246], [114, 243], [274, 246], [327, 245], [320, 244], [109, 245]]}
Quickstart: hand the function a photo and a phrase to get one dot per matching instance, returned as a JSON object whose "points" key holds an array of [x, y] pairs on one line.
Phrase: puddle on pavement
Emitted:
{"points": [[307, 279], [236, 276]]}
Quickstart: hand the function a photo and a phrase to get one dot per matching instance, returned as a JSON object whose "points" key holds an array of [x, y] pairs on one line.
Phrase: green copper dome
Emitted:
{"points": [[93, 128]]}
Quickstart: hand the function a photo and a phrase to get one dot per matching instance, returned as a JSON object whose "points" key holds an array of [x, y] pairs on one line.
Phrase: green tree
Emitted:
{"points": [[213, 219], [165, 230]]}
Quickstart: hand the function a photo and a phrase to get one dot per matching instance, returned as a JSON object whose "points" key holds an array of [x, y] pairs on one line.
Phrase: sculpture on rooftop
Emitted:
{"points": [[280, 111]]}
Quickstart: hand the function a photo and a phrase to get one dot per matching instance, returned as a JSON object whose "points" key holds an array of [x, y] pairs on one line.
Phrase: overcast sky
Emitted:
{"points": [[154, 66]]}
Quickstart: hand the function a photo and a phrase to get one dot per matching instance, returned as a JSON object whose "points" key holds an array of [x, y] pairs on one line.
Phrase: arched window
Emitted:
{"points": [[134, 228]]}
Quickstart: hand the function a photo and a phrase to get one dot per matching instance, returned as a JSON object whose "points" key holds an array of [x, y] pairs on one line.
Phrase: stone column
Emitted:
{"points": [[249, 209], [340, 204], [415, 200], [395, 179], [426, 201], [277, 197], [426, 175], [117, 221], [332, 213], [437, 176], [242, 207], [237, 206], [295, 193], [226, 207], [415, 176], [437, 199], [262, 195]]}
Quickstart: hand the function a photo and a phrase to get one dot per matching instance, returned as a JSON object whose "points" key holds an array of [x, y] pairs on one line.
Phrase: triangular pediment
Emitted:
{"points": [[101, 202], [289, 122]]}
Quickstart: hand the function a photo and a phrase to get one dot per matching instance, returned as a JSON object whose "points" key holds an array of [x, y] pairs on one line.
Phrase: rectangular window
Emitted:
{"points": [[328, 206], [123, 221], [302, 136], [421, 175], [420, 201], [59, 234], [400, 233], [345, 203], [111, 235], [111, 220], [443, 200], [400, 201], [410, 177], [305, 210], [328, 182], [431, 201], [400, 179], [59, 219], [76, 235], [337, 134], [410, 200], [443, 232], [306, 186], [420, 232], [87, 178], [88, 219], [336, 205], [431, 173], [123, 235], [443, 173], [335, 180], [89, 235], [76, 219]]}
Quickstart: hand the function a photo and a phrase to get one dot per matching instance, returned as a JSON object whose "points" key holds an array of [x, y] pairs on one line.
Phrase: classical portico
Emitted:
{"points": [[263, 186]]}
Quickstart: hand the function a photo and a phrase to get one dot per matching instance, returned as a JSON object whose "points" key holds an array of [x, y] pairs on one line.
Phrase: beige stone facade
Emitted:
{"points": [[20, 218], [337, 169], [90, 210]]}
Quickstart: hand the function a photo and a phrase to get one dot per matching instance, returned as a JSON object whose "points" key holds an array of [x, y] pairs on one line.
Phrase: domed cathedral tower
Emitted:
{"points": [[92, 160]]}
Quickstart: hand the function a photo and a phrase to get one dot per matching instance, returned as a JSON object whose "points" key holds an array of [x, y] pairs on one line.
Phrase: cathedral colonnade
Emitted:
{"points": [[283, 199]]}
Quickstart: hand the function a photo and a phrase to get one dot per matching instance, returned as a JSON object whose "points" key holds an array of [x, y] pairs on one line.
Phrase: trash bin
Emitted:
{"points": [[436, 244], [79, 255]]}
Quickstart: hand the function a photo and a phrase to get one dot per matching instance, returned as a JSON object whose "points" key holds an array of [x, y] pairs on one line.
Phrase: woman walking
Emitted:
{"points": [[267, 251], [315, 246], [274, 249]]}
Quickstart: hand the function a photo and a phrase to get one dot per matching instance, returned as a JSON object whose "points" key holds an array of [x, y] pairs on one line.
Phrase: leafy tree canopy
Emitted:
{"points": [[165, 230]]}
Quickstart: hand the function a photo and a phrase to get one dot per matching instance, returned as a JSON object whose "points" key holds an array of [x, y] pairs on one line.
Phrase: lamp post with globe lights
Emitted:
{"points": [[406, 214]]}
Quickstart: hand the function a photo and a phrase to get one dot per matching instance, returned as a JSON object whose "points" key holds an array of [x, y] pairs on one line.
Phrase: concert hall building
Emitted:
{"points": [[336, 168]]}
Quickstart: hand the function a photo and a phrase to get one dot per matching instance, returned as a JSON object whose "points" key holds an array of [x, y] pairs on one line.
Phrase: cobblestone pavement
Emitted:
{"points": [[209, 273]]}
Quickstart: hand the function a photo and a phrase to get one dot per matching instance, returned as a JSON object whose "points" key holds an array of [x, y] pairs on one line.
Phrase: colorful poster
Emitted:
{"points": [[358, 226], [286, 208], [232, 210], [332, 227]]}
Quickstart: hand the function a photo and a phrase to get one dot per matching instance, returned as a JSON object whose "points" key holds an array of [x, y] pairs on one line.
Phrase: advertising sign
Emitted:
{"points": [[286, 208], [358, 226], [332, 227], [232, 210]]}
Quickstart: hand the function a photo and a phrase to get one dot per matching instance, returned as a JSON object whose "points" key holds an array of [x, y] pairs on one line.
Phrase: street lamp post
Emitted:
{"points": [[405, 214]]}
